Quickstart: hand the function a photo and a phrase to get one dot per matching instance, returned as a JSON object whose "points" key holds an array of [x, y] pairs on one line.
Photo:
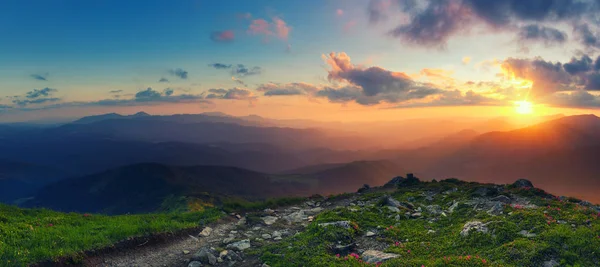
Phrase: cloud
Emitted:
{"points": [[25, 102], [454, 98], [278, 89], [168, 92], [576, 66], [220, 66], [222, 36], [238, 81], [115, 91], [179, 73], [238, 70], [432, 23], [277, 28], [466, 60], [547, 35], [576, 99], [369, 86], [163, 80], [40, 77], [233, 93], [546, 77], [36, 93]]}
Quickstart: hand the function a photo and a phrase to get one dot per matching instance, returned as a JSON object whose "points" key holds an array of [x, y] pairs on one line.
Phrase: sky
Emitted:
{"points": [[324, 60]]}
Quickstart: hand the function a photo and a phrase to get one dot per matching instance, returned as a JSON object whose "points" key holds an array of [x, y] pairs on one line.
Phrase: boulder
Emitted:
{"points": [[521, 183], [194, 264], [268, 220], [240, 245], [375, 256], [476, 226], [205, 255], [364, 188], [497, 209], [401, 181], [296, 217], [206, 231], [434, 209]]}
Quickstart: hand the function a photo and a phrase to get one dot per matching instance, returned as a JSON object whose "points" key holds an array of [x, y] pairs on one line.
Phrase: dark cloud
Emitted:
{"points": [[277, 89], [586, 36], [148, 94], [40, 77], [454, 98], [168, 92], [179, 73], [164, 80], [546, 35], [242, 70], [115, 91], [547, 77], [433, 22], [576, 99], [576, 66], [35, 93], [233, 93], [375, 84], [593, 81], [597, 64], [25, 102], [220, 66], [222, 36]]}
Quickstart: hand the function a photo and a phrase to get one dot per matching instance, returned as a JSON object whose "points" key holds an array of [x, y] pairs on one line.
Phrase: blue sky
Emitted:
{"points": [[86, 49]]}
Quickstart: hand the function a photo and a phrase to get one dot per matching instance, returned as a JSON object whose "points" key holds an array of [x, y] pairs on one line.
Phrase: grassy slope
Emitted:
{"points": [[503, 246], [33, 235]]}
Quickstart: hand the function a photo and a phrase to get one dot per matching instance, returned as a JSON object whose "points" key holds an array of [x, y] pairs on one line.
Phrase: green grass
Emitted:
{"points": [[33, 235], [577, 245]]}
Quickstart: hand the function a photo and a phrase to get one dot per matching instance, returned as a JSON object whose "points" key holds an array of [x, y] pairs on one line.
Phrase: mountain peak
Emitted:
{"points": [[140, 114]]}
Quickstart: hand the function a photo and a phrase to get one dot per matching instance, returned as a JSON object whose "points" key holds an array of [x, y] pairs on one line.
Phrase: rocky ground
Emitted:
{"points": [[407, 223]]}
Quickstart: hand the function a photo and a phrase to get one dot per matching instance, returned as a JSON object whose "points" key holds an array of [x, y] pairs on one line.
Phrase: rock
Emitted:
{"points": [[496, 210], [277, 238], [550, 263], [269, 211], [228, 240], [474, 226], [185, 252], [276, 234], [206, 231], [375, 256], [311, 218], [240, 245], [296, 217], [453, 206], [431, 232], [416, 215], [266, 236], [364, 188], [313, 211], [521, 183], [205, 255], [502, 198], [343, 249], [229, 255], [268, 220], [482, 191], [265, 265], [241, 221], [194, 264], [525, 233], [434, 209], [393, 209], [369, 234], [343, 224], [391, 202]]}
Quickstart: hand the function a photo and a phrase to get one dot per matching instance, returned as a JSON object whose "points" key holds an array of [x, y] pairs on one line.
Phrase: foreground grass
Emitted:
{"points": [[566, 231], [33, 235]]}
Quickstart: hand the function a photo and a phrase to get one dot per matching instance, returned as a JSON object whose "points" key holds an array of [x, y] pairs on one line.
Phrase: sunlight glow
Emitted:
{"points": [[523, 107]]}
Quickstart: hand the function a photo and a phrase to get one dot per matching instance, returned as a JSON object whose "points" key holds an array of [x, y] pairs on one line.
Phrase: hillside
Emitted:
{"points": [[147, 187], [445, 223], [548, 153]]}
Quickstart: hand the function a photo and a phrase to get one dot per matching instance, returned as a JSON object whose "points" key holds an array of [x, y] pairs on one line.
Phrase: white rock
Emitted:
{"points": [[374, 256], [206, 231], [268, 220]]}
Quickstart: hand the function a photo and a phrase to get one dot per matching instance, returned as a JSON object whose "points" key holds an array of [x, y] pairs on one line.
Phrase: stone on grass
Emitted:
{"points": [[343, 224], [375, 256], [205, 255], [195, 264], [268, 220], [476, 226], [240, 245]]}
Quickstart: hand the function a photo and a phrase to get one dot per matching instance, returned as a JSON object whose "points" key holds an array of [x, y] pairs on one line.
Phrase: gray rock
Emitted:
{"points": [[277, 238], [269, 211], [550, 263], [453, 206], [240, 245], [296, 217], [343, 224], [393, 209], [276, 234], [228, 240], [205, 255], [268, 220], [206, 231], [434, 209], [185, 252], [314, 211], [375, 256], [482, 191], [522, 183], [474, 226], [266, 236], [343, 249], [525, 233], [195, 264], [369, 234], [502, 198], [496, 210], [416, 215]]}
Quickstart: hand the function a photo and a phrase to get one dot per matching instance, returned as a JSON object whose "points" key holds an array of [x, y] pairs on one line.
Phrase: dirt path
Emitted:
{"points": [[226, 241]]}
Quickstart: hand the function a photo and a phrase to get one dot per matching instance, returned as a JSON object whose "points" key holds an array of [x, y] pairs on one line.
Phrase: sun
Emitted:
{"points": [[523, 107]]}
